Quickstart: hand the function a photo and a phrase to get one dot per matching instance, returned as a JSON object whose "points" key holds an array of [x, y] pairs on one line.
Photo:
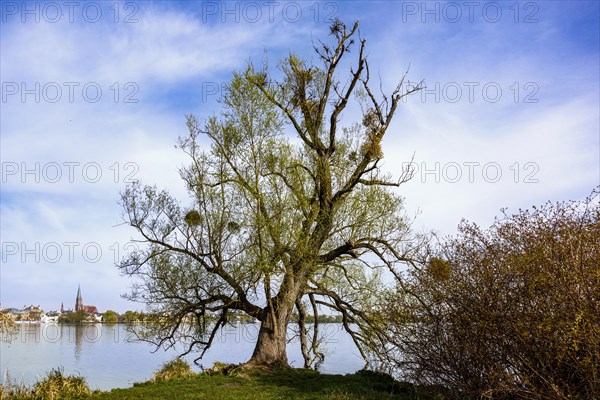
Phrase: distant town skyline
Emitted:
{"points": [[75, 306]]}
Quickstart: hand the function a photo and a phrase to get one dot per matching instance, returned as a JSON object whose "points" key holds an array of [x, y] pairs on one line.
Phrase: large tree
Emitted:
{"points": [[290, 211]]}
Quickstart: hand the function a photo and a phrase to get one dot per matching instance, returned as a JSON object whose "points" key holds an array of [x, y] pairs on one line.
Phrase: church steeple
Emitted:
{"points": [[78, 300]]}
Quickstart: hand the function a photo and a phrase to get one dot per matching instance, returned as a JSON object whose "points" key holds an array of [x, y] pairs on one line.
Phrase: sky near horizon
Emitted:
{"points": [[94, 96]]}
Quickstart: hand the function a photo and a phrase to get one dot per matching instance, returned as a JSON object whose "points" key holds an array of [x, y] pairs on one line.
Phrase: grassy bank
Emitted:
{"points": [[288, 384], [299, 384]]}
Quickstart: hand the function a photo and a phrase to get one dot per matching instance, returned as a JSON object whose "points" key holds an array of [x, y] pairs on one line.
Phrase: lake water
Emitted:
{"points": [[108, 358]]}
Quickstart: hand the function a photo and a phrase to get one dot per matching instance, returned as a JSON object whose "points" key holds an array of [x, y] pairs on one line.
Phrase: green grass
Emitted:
{"points": [[297, 384], [175, 380]]}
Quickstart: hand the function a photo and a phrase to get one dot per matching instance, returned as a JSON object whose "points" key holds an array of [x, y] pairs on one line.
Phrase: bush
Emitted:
{"points": [[175, 369], [56, 386], [507, 312]]}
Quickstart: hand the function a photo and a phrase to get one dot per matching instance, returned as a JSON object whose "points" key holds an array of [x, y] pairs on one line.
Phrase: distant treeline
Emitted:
{"points": [[133, 317]]}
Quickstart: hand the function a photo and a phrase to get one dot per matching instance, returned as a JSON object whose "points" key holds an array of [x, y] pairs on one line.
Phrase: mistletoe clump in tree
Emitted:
{"points": [[277, 224]]}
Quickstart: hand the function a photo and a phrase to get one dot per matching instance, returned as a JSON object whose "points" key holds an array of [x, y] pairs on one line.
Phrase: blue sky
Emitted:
{"points": [[509, 118]]}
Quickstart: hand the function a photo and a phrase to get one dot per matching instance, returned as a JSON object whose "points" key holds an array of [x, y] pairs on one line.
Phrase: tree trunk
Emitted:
{"points": [[270, 346], [302, 332]]}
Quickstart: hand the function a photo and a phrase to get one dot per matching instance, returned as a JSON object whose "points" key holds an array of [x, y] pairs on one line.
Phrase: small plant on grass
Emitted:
{"points": [[57, 386], [174, 369], [224, 369], [10, 389]]}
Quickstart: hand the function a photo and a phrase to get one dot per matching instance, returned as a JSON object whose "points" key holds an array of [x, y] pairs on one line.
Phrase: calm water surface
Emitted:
{"points": [[108, 358]]}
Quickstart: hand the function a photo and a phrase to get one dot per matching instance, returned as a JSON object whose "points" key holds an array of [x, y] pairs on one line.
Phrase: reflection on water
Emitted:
{"points": [[80, 334], [108, 357]]}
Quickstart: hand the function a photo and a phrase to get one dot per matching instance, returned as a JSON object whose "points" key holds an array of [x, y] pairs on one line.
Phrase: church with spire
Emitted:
{"points": [[90, 310], [78, 300]]}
